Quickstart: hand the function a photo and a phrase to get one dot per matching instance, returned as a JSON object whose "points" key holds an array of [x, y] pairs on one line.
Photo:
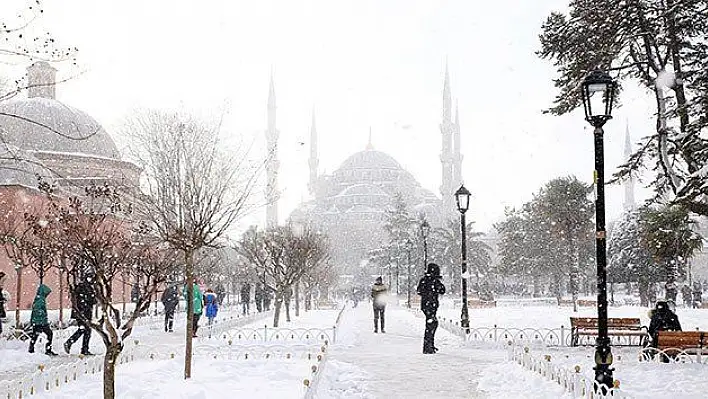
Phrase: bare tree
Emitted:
{"points": [[193, 192], [98, 238], [282, 256]]}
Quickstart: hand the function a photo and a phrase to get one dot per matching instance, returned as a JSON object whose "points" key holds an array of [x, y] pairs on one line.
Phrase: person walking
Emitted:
{"points": [[378, 296], [258, 296], [40, 321], [430, 287], [170, 300], [211, 301], [3, 299], [245, 297], [267, 298], [198, 306], [82, 304]]}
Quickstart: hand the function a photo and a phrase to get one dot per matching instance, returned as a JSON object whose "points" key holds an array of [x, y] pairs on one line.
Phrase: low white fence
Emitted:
{"points": [[314, 382], [562, 336], [572, 381]]}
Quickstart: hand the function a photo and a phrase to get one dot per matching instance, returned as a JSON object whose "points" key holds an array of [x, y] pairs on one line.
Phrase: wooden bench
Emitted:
{"points": [[617, 327], [583, 303], [475, 303], [691, 342]]}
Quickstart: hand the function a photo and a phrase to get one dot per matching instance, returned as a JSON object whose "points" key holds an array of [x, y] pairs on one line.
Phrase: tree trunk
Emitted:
{"points": [[19, 298], [276, 313], [643, 292], [287, 308], [671, 291], [297, 299], [536, 281], [109, 371], [189, 271]]}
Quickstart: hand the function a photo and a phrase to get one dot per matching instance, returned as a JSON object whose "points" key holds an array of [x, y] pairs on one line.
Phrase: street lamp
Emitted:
{"points": [[598, 94], [462, 195], [409, 246], [424, 231]]}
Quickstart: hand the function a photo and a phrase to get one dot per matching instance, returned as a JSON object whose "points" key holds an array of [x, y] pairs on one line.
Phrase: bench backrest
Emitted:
{"points": [[682, 339], [613, 323]]}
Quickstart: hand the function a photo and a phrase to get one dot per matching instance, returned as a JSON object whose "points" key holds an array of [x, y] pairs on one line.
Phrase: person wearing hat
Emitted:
{"points": [[378, 295], [662, 319], [430, 287]]}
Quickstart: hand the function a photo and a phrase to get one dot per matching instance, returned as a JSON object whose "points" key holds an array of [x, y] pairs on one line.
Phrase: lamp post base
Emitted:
{"points": [[603, 372]]}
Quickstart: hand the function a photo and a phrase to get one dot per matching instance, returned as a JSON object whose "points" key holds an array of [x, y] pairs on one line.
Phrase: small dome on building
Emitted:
{"points": [[45, 124]]}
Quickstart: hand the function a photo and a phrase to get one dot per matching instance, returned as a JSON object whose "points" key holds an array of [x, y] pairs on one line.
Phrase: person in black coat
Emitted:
{"points": [[662, 319], [83, 299], [429, 288], [170, 300]]}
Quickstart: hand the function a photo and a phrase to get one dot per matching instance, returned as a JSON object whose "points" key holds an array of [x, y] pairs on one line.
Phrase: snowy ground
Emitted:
{"points": [[361, 364]]}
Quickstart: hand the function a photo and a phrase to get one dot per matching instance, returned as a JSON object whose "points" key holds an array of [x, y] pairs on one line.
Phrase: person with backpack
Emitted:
{"points": [[170, 300], [83, 300], [430, 287], [40, 321]]}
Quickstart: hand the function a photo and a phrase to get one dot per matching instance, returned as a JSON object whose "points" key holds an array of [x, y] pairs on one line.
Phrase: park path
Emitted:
{"points": [[366, 365]]}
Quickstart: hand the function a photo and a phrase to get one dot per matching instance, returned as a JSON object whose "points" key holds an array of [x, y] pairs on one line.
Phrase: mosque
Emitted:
{"points": [[350, 204]]}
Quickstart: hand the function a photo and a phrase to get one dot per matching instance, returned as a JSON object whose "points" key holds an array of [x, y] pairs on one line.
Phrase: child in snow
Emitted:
{"points": [[39, 320], [212, 305]]}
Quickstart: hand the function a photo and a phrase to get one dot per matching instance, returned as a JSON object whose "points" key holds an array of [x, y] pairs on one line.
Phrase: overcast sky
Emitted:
{"points": [[359, 63]]}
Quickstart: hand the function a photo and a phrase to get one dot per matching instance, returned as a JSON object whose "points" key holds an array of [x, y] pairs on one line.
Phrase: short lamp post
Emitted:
{"points": [[424, 232], [598, 94], [18, 301], [462, 196]]}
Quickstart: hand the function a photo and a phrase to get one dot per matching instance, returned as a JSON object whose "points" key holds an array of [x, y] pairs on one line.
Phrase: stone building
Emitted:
{"points": [[42, 136]]}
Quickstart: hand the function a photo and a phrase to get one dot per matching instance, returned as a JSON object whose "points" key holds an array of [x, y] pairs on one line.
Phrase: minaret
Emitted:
{"points": [[41, 80], [272, 165], [313, 161], [369, 145], [628, 182], [457, 158], [447, 128]]}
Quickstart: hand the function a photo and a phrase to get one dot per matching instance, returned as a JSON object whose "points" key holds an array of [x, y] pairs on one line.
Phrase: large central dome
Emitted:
{"points": [[370, 159], [45, 124]]}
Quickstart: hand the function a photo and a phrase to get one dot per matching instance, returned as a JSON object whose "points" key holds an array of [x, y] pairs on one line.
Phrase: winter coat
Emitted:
{"points": [[39, 306], [83, 300], [246, 293], [429, 288], [4, 297], [170, 298], [378, 295], [198, 299], [212, 304], [663, 319], [259, 293]]}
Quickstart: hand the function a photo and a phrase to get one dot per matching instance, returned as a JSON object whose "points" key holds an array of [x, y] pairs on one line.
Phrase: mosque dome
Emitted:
{"points": [[369, 159], [45, 124], [41, 123]]}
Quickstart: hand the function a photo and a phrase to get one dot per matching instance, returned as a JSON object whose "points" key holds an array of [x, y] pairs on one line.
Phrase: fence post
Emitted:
{"points": [[265, 333], [334, 334], [495, 333], [562, 343]]}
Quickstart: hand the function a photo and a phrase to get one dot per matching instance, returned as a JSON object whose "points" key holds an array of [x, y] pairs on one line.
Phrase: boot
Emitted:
{"points": [[49, 352], [382, 326], [67, 346], [31, 349], [376, 325]]}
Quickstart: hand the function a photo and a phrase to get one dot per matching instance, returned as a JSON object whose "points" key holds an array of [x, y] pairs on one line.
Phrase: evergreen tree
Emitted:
{"points": [[661, 45]]}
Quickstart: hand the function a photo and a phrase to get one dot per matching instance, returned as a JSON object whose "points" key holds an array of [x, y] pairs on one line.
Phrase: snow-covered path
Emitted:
{"points": [[367, 365]]}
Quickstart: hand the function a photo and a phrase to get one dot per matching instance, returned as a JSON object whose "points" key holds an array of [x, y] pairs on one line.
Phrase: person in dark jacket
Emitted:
{"points": [[83, 300], [259, 296], [378, 296], [170, 300], [2, 299], [245, 297], [40, 321], [662, 319], [429, 288]]}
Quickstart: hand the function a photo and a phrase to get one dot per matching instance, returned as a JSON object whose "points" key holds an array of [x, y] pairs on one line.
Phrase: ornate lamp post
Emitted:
{"points": [[598, 95], [409, 247], [462, 196], [424, 231]]}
